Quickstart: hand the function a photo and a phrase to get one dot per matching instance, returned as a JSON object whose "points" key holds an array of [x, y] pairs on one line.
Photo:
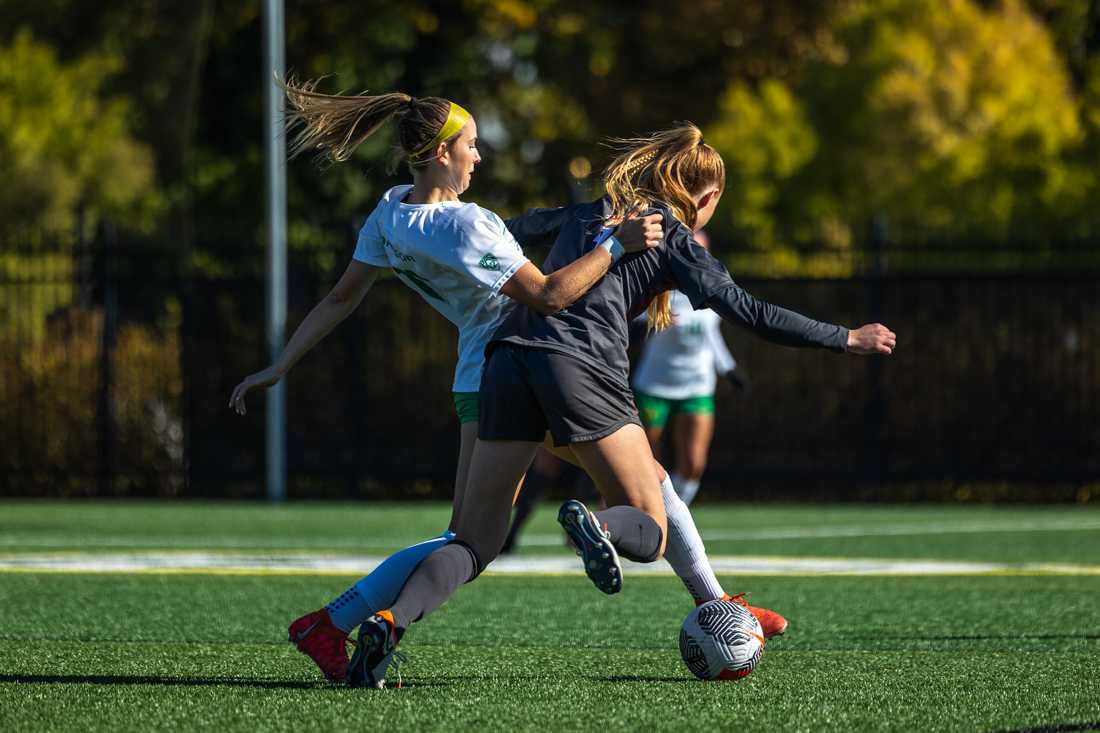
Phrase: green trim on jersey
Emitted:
{"points": [[465, 406], [655, 411]]}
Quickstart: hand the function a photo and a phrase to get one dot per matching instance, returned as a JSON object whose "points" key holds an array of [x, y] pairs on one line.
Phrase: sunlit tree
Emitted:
{"points": [[943, 115], [65, 146]]}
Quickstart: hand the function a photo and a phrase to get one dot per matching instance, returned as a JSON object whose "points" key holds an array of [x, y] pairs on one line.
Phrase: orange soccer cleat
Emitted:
{"points": [[318, 638], [771, 622]]}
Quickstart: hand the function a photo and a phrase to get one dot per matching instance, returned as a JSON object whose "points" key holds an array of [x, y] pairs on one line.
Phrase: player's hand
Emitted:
{"points": [[874, 338], [264, 378], [638, 233]]}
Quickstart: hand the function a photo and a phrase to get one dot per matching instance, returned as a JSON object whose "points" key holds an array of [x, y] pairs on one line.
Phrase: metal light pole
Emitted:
{"points": [[275, 150]]}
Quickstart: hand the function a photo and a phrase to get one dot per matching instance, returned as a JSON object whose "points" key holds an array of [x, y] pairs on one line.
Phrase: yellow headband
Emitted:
{"points": [[456, 118]]}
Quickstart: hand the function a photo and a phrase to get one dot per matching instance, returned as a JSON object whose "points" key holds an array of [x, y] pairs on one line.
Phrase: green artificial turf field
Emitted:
{"points": [[161, 648]]}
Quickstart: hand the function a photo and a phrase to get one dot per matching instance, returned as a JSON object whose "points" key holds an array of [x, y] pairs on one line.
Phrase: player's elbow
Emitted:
{"points": [[340, 303], [544, 295], [337, 299], [549, 301], [553, 304]]}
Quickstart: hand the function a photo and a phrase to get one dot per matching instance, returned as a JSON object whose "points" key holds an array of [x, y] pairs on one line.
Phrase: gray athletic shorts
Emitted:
{"points": [[527, 391]]}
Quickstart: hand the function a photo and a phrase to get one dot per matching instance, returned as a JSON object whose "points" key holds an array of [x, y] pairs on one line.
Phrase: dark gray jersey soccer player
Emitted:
{"points": [[595, 328], [567, 374]]}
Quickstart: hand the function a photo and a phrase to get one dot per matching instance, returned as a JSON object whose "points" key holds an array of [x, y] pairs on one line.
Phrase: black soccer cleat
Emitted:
{"points": [[601, 561], [375, 651]]}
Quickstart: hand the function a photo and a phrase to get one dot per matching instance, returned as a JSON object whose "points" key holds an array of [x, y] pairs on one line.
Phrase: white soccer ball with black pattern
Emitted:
{"points": [[721, 640]]}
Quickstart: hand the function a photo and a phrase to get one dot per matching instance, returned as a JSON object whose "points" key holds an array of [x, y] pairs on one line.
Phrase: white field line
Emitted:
{"points": [[313, 564], [21, 539], [885, 530]]}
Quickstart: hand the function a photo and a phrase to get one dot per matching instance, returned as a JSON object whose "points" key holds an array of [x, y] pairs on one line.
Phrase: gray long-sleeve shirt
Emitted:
{"points": [[595, 327]]}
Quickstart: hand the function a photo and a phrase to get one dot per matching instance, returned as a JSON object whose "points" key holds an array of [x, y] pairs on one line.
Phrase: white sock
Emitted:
{"points": [[684, 548], [685, 487]]}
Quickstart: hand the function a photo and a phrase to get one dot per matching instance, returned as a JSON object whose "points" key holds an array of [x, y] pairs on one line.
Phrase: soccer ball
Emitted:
{"points": [[721, 640]]}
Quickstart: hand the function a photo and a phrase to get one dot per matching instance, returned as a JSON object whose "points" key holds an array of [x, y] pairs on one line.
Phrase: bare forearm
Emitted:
{"points": [[565, 286], [321, 320], [348, 293]]}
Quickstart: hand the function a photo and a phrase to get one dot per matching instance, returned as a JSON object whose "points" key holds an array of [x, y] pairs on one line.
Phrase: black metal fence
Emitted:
{"points": [[117, 359]]}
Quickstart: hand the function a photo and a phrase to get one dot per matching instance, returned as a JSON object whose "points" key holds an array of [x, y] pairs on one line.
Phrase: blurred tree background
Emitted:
{"points": [[956, 120], [944, 115]]}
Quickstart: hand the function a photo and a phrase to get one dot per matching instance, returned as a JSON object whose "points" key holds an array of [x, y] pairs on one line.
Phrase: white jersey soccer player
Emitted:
{"points": [[675, 379], [460, 258], [682, 361]]}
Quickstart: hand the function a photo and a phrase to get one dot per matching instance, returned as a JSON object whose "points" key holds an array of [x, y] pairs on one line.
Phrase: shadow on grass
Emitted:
{"points": [[980, 637], [109, 680], [1058, 728]]}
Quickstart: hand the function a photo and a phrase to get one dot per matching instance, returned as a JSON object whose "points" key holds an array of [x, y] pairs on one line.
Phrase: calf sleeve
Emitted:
{"points": [[634, 533], [434, 581], [379, 589]]}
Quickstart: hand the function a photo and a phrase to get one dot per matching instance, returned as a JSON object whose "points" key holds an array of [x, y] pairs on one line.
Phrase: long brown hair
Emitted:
{"points": [[334, 125], [672, 167]]}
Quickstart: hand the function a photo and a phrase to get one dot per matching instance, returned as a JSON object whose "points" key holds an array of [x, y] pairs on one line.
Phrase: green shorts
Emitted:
{"points": [[465, 406], [655, 411]]}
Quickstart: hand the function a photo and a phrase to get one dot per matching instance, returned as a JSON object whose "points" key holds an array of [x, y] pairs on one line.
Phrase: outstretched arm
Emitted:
{"points": [[551, 293], [771, 322], [708, 284], [345, 296], [786, 327]]}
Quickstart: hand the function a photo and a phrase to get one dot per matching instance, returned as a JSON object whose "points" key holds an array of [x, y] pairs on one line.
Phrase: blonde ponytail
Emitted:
{"points": [[334, 125], [671, 167]]}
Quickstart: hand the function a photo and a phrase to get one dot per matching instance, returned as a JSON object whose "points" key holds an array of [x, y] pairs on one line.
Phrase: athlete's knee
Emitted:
{"points": [[478, 563], [649, 543], [658, 548]]}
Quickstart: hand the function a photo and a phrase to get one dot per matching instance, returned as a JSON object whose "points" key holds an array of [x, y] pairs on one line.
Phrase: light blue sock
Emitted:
{"points": [[379, 590]]}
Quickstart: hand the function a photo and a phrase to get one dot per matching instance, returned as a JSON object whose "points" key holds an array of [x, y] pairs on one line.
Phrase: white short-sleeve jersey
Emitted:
{"points": [[681, 361], [457, 256]]}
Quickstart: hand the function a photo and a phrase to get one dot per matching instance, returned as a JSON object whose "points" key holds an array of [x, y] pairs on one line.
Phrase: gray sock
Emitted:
{"points": [[433, 582], [633, 532]]}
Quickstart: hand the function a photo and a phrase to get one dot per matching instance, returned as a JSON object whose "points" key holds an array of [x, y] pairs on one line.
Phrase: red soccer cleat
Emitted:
{"points": [[771, 622], [318, 638]]}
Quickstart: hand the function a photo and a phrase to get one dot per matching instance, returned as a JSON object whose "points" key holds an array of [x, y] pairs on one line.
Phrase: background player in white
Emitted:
{"points": [[674, 385], [460, 258]]}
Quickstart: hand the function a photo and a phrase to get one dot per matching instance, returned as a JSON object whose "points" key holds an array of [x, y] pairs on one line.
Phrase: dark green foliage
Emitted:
{"points": [[827, 112]]}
